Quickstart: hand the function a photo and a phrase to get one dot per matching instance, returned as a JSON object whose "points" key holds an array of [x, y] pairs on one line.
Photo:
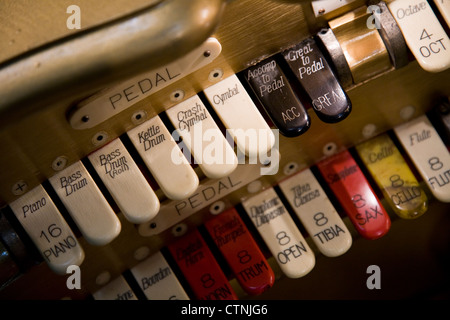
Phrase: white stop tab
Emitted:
{"points": [[48, 230], [162, 156], [203, 138], [126, 183], [86, 204], [279, 232], [428, 153], [157, 280], [241, 117], [425, 36], [317, 213], [117, 289]]}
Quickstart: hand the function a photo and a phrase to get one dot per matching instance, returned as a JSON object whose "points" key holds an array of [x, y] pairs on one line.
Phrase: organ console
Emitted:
{"points": [[247, 149]]}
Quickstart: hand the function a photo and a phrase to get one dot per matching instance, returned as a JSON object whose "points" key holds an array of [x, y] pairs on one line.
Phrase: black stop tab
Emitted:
{"points": [[277, 97], [325, 93]]}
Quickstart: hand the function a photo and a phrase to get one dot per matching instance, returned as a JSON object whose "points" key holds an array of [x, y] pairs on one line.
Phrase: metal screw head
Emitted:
{"points": [[59, 163], [99, 138], [19, 188]]}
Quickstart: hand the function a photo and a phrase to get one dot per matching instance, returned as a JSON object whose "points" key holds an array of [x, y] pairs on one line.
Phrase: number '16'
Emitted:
{"points": [[52, 230]]}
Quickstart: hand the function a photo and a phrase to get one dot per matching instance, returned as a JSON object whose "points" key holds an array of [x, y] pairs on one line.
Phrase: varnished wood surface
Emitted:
{"points": [[250, 31], [28, 24]]}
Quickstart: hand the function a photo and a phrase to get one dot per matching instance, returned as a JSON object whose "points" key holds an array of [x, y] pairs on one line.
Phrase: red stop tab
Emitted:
{"points": [[356, 195], [241, 252], [200, 268]]}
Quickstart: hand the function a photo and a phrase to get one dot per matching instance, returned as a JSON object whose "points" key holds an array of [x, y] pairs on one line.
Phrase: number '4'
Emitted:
{"points": [[425, 35]]}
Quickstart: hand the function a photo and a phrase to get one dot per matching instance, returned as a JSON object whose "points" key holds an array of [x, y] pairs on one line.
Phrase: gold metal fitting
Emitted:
{"points": [[362, 44]]}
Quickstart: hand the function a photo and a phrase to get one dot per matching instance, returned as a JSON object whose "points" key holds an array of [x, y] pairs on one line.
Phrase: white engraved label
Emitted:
{"points": [[279, 232], [241, 117], [203, 138], [207, 193], [317, 213], [157, 280], [423, 33], [49, 231], [86, 204], [428, 153], [111, 101], [126, 183], [164, 159]]}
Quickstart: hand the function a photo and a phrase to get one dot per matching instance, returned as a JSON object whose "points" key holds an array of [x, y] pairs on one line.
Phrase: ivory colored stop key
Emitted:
{"points": [[49, 231]]}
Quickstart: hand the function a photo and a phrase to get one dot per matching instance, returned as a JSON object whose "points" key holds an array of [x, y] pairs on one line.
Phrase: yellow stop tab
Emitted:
{"points": [[393, 176]]}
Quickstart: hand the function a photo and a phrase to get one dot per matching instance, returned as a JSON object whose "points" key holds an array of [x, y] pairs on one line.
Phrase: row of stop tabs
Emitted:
{"points": [[168, 156], [175, 176], [303, 195]]}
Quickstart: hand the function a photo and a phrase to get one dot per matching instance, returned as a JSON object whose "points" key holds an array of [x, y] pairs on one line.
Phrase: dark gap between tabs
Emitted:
{"points": [[177, 272], [62, 208], [178, 139], [105, 192], [27, 256], [439, 16], [253, 231], [142, 167], [439, 116], [217, 120], [292, 79], [405, 155], [271, 90], [256, 101], [290, 211], [376, 189], [216, 252], [212, 112], [330, 194], [134, 285]]}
